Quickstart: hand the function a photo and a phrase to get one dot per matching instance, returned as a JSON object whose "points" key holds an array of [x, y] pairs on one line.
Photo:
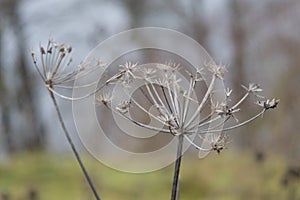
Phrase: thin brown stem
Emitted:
{"points": [[69, 139], [175, 187]]}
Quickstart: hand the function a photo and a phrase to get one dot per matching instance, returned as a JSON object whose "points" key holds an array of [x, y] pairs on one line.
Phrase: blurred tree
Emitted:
{"points": [[266, 43], [238, 37], [20, 101], [288, 88], [135, 9], [5, 109]]}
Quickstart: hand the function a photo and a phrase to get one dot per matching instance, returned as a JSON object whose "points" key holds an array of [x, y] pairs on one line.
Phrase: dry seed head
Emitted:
{"points": [[105, 98]]}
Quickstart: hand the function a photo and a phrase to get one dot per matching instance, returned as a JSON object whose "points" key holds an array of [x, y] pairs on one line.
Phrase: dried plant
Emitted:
{"points": [[55, 70], [178, 110], [186, 103]]}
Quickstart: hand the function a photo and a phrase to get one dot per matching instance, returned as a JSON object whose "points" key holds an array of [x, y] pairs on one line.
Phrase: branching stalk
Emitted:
{"points": [[235, 126]]}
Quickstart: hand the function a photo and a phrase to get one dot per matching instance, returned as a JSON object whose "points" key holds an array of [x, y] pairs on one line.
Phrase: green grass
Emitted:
{"points": [[230, 176]]}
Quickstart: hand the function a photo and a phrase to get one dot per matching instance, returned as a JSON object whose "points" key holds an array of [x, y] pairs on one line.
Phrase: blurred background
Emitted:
{"points": [[258, 41]]}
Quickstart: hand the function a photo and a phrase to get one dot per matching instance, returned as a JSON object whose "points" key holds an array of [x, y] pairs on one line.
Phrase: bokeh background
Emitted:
{"points": [[258, 41]]}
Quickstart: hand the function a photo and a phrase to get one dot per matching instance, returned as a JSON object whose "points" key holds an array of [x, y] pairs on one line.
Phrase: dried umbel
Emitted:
{"points": [[178, 110], [54, 67], [188, 104]]}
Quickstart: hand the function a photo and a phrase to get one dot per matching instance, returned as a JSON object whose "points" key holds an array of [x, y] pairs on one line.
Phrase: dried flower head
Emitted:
{"points": [[55, 61], [178, 109], [217, 70], [105, 98], [268, 103], [123, 107], [54, 67], [125, 75], [220, 143]]}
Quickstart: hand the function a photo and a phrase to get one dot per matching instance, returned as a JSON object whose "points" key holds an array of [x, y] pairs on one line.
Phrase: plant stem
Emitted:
{"points": [[175, 188], [69, 139]]}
